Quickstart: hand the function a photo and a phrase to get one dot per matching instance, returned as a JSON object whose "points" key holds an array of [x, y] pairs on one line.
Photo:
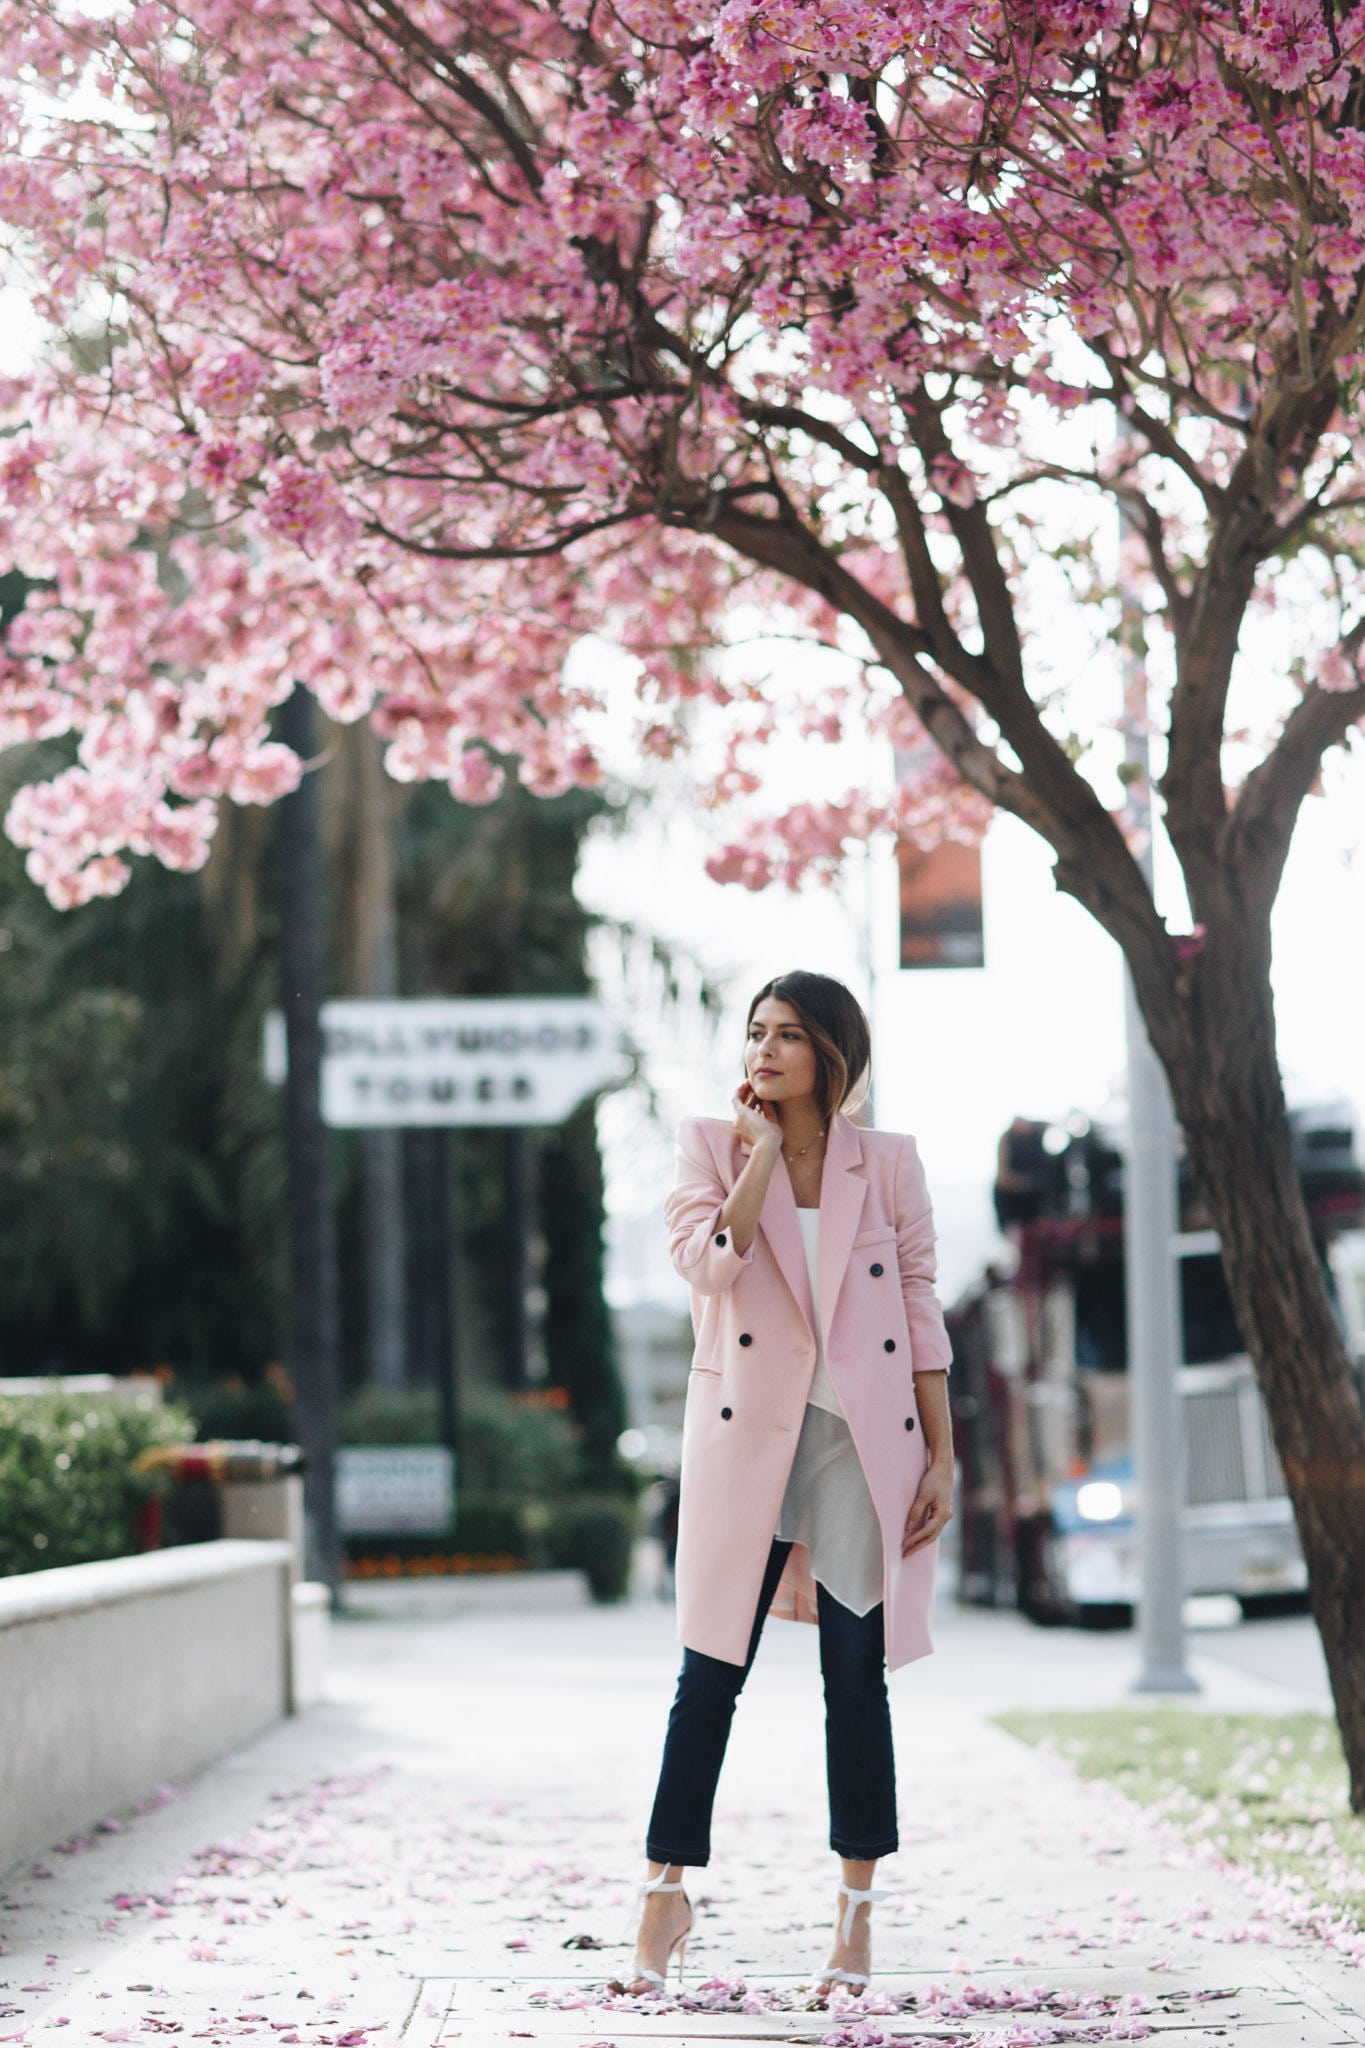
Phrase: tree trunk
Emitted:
{"points": [[314, 1361], [433, 1343], [516, 1348], [1231, 1106], [360, 808], [580, 1342]]}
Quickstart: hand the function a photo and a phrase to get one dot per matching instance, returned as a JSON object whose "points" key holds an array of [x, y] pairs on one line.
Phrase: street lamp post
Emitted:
{"points": [[1149, 1226]]}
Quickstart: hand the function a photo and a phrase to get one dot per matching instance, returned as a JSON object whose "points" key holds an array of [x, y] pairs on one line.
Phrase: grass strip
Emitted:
{"points": [[1267, 1792]]}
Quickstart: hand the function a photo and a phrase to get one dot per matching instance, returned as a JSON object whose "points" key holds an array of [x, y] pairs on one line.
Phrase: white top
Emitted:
{"points": [[823, 1393], [827, 1505]]}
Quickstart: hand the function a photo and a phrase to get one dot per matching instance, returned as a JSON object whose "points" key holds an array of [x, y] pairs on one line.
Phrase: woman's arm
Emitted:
{"points": [[745, 1200], [932, 1508], [706, 1237], [930, 1350]]}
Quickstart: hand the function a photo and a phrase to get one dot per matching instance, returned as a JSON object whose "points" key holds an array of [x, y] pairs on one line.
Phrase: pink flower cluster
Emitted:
{"points": [[403, 372]]}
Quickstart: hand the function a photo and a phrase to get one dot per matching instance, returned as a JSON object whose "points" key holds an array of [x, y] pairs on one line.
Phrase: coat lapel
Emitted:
{"points": [[842, 1194], [777, 1220]]}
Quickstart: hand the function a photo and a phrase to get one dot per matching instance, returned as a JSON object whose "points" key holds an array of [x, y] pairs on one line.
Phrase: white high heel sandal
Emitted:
{"points": [[679, 1943], [857, 1980]]}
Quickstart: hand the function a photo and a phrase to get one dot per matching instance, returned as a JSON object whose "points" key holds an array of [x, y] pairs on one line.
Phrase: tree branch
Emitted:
{"points": [[1243, 536], [1094, 864], [1263, 818], [792, 416], [1146, 518], [1160, 438], [788, 546], [1080, 828]]}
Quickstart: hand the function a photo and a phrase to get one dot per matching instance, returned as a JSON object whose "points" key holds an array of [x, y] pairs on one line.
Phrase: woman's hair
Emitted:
{"points": [[839, 1033]]}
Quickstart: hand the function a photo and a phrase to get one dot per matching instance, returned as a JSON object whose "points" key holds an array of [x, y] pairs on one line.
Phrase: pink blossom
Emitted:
{"points": [[231, 383], [1336, 672], [763, 319], [1285, 40]]}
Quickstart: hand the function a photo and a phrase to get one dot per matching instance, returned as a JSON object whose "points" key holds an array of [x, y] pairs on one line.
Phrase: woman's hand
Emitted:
{"points": [[932, 1508], [756, 1122]]}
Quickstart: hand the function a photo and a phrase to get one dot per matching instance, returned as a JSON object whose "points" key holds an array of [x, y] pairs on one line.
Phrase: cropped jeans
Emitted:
{"points": [[860, 1765]]}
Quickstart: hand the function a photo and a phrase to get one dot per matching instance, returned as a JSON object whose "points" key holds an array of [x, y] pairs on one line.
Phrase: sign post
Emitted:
{"points": [[433, 1064]]}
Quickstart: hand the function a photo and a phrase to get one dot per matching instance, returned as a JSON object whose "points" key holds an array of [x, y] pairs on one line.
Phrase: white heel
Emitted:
{"points": [[678, 1946], [856, 1980]]}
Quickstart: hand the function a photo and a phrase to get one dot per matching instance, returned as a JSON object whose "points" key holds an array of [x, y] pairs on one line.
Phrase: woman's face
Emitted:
{"points": [[779, 1058]]}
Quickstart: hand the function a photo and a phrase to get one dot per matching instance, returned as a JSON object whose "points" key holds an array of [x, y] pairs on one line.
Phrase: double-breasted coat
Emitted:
{"points": [[754, 1360]]}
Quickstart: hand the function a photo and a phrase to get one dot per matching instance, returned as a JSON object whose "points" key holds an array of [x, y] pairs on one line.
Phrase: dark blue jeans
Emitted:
{"points": [[859, 1762]]}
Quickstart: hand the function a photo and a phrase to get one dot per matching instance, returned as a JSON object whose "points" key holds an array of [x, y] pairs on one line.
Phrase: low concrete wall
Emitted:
{"points": [[120, 1676]]}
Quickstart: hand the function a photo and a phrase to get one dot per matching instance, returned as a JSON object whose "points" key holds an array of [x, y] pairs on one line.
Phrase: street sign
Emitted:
{"points": [[474, 1060], [395, 1490]]}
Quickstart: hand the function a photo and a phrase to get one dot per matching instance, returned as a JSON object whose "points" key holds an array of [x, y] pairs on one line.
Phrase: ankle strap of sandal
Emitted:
{"points": [[637, 1898], [856, 1899]]}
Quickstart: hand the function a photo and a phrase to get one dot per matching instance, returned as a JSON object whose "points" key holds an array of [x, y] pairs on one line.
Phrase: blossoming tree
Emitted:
{"points": [[407, 342]]}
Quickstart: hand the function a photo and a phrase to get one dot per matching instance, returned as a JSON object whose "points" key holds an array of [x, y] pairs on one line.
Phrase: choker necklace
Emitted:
{"points": [[806, 1147]]}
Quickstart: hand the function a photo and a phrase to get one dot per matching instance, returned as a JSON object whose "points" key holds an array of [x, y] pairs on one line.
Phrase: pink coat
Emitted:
{"points": [[755, 1358]]}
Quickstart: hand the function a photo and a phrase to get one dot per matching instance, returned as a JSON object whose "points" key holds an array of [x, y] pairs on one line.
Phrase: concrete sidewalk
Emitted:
{"points": [[444, 1852]]}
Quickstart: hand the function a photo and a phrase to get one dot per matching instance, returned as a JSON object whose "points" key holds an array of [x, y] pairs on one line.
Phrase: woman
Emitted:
{"points": [[817, 1451]]}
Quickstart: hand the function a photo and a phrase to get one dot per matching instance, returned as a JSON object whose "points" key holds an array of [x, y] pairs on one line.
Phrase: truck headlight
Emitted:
{"points": [[1099, 1500]]}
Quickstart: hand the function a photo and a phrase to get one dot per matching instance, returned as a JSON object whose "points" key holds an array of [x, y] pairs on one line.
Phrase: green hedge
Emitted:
{"points": [[374, 1417], [490, 1524], [596, 1532], [258, 1410], [505, 1446], [68, 1493]]}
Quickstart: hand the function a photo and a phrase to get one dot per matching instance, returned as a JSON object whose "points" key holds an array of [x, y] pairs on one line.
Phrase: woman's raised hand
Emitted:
{"points": [[756, 1122]]}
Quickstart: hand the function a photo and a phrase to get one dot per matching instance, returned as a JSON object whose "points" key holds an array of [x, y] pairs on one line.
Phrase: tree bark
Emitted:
{"points": [[361, 833], [1230, 1102], [433, 1344], [314, 1350]]}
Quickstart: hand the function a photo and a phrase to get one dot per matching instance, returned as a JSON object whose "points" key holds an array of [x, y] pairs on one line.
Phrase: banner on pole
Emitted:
{"points": [[940, 905], [940, 893]]}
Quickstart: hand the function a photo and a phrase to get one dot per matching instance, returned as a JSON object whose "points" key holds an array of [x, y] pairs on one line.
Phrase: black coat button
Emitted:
{"points": [[890, 1344], [746, 1338], [877, 1272], [909, 1421], [720, 1237], [726, 1413]]}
